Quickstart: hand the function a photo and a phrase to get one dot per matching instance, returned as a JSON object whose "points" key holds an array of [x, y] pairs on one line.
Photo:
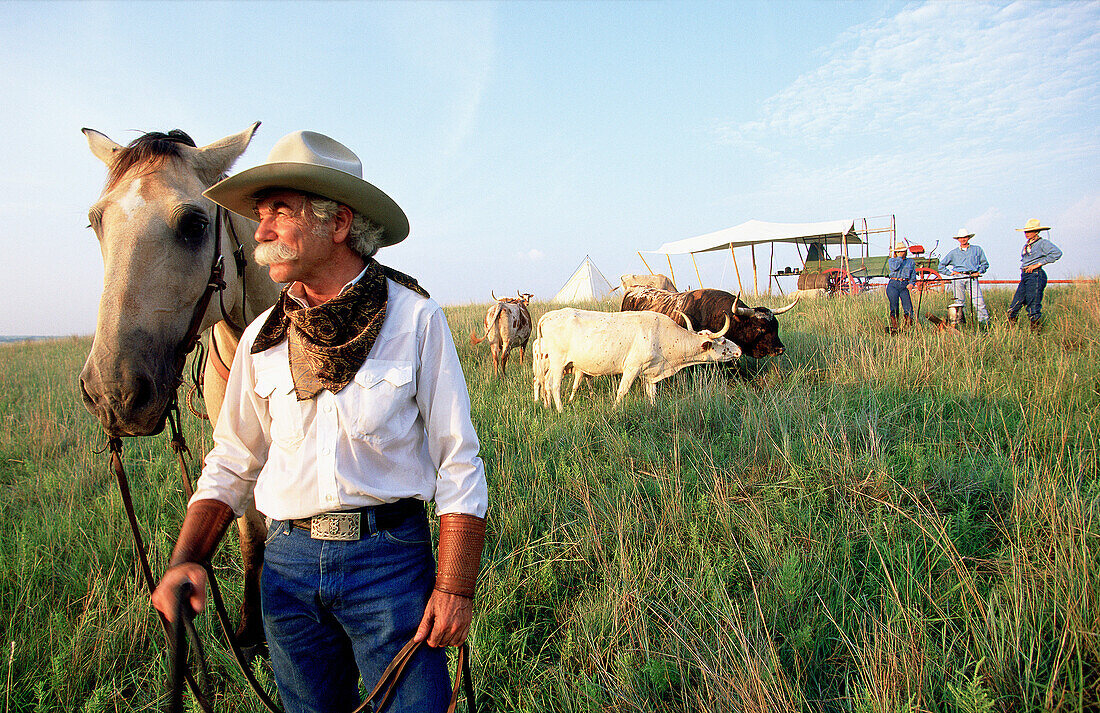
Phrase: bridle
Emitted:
{"points": [[182, 626]]}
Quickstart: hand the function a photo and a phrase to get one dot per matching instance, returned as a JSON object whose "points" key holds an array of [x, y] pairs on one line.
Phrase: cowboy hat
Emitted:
{"points": [[313, 163], [899, 246], [1032, 226], [963, 234]]}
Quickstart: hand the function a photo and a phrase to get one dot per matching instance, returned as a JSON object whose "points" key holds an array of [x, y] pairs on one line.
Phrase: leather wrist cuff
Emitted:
{"points": [[461, 539], [203, 527]]}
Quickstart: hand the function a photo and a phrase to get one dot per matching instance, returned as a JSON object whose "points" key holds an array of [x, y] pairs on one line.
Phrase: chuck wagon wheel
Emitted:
{"points": [[928, 279], [839, 282]]}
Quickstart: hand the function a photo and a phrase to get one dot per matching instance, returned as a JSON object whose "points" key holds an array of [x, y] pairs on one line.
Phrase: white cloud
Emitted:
{"points": [[973, 70], [987, 222], [532, 255]]}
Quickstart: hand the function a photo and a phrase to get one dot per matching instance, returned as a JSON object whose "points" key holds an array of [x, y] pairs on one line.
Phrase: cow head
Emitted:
{"points": [[756, 329], [521, 298]]}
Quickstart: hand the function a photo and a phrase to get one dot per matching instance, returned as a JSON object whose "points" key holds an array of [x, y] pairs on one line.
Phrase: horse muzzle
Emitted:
{"points": [[129, 401]]}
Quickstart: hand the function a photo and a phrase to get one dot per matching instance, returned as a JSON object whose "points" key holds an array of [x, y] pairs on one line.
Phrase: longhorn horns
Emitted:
{"points": [[740, 312], [789, 307], [714, 335]]}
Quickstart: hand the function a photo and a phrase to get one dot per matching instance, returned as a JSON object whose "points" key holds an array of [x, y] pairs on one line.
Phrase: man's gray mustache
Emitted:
{"points": [[274, 252]]}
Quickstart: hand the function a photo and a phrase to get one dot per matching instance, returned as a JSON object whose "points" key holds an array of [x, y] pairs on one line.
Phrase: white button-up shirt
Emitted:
{"points": [[400, 429]]}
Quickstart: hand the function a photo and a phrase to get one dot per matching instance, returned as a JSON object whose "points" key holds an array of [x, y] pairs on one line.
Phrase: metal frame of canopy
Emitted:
{"points": [[753, 233]]}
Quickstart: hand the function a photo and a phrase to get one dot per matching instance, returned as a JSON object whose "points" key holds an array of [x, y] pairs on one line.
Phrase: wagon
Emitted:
{"points": [[849, 270], [852, 275]]}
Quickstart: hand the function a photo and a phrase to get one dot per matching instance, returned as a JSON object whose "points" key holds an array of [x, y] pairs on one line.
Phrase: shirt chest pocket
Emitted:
{"points": [[379, 404], [286, 412]]}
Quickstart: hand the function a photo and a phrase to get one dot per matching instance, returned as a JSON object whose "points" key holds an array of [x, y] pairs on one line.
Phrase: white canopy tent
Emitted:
{"points": [[755, 232], [587, 284]]}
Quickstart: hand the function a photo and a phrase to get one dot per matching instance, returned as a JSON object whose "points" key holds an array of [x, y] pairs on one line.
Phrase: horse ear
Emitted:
{"points": [[102, 147], [213, 160]]}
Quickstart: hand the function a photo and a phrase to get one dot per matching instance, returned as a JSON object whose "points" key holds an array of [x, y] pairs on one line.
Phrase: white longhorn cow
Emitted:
{"points": [[646, 345]]}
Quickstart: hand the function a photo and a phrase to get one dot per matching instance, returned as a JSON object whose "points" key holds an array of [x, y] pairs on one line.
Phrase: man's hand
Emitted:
{"points": [[446, 620], [1032, 268], [164, 596]]}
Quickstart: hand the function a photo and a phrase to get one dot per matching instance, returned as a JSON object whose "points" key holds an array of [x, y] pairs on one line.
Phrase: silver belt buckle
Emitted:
{"points": [[337, 526]]}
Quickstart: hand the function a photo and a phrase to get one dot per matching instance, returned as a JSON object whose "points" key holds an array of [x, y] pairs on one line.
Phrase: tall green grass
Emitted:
{"points": [[866, 523]]}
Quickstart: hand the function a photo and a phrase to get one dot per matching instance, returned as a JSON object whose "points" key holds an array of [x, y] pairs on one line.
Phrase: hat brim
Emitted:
{"points": [[236, 193], [960, 237], [1032, 230]]}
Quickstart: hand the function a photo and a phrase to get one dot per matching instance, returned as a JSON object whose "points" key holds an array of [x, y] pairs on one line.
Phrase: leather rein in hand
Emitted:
{"points": [[171, 416]]}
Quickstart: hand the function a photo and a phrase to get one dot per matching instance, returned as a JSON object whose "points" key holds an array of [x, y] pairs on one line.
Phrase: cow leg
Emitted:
{"points": [[581, 377], [496, 357], [556, 373], [627, 381], [651, 390], [578, 377], [253, 532], [504, 358]]}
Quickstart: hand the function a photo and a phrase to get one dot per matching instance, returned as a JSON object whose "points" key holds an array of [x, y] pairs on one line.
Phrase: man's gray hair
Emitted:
{"points": [[364, 236]]}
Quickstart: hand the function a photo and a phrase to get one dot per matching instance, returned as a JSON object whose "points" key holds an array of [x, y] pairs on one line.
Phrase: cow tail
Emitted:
{"points": [[495, 315]]}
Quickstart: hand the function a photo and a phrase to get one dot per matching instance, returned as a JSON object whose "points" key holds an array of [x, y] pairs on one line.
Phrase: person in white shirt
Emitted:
{"points": [[965, 264], [345, 412]]}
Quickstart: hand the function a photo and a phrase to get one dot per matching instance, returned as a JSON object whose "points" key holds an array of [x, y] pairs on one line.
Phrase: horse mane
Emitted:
{"points": [[153, 148]]}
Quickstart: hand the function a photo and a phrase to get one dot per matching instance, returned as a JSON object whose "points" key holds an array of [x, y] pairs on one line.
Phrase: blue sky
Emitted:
{"points": [[519, 137]]}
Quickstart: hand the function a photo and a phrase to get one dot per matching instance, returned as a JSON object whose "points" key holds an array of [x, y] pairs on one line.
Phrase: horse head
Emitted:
{"points": [[159, 238]]}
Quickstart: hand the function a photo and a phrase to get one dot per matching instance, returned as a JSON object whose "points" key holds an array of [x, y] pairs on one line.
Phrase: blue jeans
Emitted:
{"points": [[1029, 292], [895, 289], [335, 611]]}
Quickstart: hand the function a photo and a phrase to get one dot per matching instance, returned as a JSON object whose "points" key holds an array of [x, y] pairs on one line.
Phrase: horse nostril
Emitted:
{"points": [[142, 393], [89, 402]]}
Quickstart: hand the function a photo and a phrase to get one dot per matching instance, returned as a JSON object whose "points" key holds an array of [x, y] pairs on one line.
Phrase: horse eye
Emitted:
{"points": [[192, 227]]}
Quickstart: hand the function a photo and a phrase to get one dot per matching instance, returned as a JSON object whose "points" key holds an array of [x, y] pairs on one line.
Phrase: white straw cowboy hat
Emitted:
{"points": [[963, 234], [1032, 226], [899, 246], [314, 163]]}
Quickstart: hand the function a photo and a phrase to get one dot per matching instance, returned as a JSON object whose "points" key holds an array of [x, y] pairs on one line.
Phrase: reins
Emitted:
{"points": [[183, 628], [216, 283]]}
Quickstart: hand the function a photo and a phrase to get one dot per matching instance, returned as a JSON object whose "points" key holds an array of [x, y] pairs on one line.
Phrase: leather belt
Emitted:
{"points": [[349, 525]]}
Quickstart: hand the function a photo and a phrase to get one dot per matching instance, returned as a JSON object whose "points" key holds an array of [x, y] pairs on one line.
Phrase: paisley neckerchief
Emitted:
{"points": [[328, 343]]}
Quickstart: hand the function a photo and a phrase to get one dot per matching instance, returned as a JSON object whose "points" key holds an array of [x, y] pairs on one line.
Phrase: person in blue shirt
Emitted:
{"points": [[965, 264], [1033, 279], [903, 275]]}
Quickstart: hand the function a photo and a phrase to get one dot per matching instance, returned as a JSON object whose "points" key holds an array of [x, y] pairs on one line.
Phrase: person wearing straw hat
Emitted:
{"points": [[1037, 252], [965, 264], [346, 412], [903, 275]]}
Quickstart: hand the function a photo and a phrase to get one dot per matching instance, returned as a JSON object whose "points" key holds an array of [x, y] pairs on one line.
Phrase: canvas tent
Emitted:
{"points": [[586, 285]]}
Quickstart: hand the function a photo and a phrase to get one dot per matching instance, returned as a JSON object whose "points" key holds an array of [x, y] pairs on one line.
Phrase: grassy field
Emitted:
{"points": [[866, 523]]}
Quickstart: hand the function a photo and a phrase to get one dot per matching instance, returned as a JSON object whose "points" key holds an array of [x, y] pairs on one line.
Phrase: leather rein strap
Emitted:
{"points": [[392, 675]]}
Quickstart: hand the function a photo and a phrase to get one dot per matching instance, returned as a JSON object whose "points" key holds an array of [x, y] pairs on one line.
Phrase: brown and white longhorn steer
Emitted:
{"points": [[646, 345], [754, 329], [507, 327]]}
